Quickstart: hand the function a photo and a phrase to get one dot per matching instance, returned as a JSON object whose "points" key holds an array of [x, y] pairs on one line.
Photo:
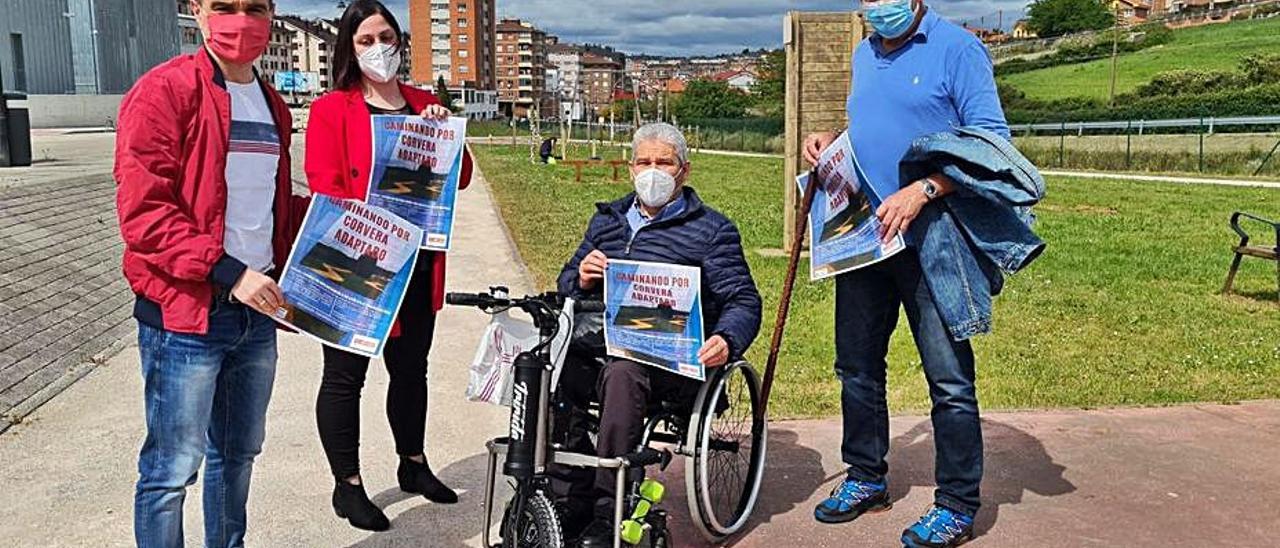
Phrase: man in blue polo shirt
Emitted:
{"points": [[916, 75]]}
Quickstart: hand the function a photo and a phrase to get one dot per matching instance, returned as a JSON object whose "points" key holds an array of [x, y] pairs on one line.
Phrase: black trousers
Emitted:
{"points": [[338, 404], [625, 389]]}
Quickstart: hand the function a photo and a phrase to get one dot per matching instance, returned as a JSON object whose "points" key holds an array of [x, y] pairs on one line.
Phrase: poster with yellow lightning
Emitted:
{"points": [[844, 231], [653, 315], [417, 164]]}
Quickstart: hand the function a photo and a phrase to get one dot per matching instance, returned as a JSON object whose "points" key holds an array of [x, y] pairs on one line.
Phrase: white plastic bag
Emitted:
{"points": [[505, 338]]}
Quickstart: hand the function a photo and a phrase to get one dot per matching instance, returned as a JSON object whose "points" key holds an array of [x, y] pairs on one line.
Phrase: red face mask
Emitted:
{"points": [[238, 38]]}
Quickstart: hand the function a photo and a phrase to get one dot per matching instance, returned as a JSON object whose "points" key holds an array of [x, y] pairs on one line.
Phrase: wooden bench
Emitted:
{"points": [[1261, 252], [579, 164]]}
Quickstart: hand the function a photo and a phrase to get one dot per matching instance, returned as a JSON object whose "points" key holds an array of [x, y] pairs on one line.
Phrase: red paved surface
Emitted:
{"points": [[1204, 475]]}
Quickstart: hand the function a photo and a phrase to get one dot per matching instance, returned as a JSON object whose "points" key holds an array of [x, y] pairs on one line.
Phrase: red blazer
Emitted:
{"points": [[171, 190], [340, 156]]}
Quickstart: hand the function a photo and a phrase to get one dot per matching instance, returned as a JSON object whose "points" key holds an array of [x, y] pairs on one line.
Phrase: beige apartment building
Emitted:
{"points": [[522, 69]]}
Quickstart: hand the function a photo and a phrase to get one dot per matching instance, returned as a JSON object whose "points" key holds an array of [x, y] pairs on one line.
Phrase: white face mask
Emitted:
{"points": [[380, 62], [654, 187]]}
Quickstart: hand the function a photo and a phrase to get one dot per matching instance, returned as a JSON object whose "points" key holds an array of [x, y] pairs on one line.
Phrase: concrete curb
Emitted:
{"points": [[74, 373], [522, 268], [14, 180]]}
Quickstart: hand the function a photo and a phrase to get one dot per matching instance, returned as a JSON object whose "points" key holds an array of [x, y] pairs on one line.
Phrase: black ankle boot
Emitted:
{"points": [[416, 477], [351, 502]]}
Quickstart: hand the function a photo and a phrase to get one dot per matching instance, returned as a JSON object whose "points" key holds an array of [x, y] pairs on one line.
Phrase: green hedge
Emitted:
{"points": [[1255, 101]]}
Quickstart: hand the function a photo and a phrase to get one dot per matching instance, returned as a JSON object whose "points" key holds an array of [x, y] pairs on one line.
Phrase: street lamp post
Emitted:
{"points": [[1115, 51]]}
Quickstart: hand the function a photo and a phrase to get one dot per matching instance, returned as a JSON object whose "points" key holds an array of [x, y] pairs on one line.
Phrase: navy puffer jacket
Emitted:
{"points": [[699, 236]]}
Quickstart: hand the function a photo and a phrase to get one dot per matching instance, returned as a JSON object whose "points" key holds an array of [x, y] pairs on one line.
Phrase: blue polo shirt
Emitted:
{"points": [[636, 219], [940, 79]]}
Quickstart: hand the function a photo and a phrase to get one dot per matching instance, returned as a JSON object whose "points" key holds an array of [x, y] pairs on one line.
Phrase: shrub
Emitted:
{"points": [[1259, 69], [1188, 82], [1254, 101]]}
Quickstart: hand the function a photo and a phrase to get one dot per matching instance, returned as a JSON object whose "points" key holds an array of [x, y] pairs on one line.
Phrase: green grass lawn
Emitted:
{"points": [[1210, 47], [1121, 310]]}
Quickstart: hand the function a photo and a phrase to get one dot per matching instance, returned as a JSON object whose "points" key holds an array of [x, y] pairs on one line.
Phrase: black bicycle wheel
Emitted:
{"points": [[538, 526]]}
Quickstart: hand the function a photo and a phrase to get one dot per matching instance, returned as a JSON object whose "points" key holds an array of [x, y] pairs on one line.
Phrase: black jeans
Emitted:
{"points": [[625, 390], [867, 302], [338, 404]]}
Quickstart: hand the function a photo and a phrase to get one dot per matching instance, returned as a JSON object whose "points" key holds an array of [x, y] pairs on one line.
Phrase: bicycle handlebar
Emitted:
{"points": [[477, 300], [488, 301]]}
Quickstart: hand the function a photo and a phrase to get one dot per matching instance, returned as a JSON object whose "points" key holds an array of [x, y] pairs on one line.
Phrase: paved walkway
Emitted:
{"points": [[1180, 476], [67, 471], [1249, 183], [1188, 476], [63, 302]]}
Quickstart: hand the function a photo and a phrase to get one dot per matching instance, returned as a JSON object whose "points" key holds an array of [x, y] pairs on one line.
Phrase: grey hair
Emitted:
{"points": [[664, 133]]}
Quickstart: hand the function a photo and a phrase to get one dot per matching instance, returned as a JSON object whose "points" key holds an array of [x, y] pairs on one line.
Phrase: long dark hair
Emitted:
{"points": [[346, 66]]}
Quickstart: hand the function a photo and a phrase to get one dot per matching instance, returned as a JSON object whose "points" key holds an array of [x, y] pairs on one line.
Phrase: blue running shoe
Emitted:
{"points": [[939, 528], [851, 499]]}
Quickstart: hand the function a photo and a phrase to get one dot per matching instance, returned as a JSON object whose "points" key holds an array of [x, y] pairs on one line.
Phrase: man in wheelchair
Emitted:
{"points": [[662, 221]]}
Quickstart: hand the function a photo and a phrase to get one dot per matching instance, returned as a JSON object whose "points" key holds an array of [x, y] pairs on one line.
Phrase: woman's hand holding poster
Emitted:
{"points": [[347, 274], [417, 164], [843, 228], [653, 315]]}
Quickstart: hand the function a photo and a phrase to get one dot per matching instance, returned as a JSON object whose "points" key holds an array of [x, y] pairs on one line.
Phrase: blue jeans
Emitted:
{"points": [[867, 302], [206, 398]]}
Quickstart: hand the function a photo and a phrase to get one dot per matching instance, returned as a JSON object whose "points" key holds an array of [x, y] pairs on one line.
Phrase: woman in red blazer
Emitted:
{"points": [[338, 161]]}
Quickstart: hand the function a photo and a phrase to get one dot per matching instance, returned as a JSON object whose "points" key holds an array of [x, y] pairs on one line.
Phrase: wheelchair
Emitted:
{"points": [[722, 435]]}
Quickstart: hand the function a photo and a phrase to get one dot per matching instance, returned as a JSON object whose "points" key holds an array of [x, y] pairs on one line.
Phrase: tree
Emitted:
{"points": [[442, 93], [708, 99], [770, 90], [1057, 17]]}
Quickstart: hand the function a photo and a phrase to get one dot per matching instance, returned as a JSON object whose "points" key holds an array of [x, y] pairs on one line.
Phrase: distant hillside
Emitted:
{"points": [[1211, 47]]}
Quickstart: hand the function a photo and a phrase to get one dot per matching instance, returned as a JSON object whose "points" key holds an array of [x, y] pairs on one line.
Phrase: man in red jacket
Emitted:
{"points": [[207, 216]]}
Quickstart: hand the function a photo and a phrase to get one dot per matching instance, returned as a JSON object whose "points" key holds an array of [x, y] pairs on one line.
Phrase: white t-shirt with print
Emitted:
{"points": [[252, 162]]}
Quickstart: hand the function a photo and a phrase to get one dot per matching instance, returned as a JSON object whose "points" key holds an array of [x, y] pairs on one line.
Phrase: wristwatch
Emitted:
{"points": [[930, 189]]}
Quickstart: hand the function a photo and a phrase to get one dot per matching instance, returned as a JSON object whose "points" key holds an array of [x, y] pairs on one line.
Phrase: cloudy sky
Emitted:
{"points": [[665, 27]]}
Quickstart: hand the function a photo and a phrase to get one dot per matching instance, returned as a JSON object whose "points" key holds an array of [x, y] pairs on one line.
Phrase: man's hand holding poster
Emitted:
{"points": [[348, 273], [653, 315], [843, 228], [417, 164]]}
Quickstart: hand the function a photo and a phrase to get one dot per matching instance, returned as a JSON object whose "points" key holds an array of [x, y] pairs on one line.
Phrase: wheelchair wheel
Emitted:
{"points": [[537, 527], [728, 441]]}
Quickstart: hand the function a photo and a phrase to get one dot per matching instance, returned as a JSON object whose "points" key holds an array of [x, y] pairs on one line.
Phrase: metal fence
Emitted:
{"points": [[1207, 124], [1168, 145]]}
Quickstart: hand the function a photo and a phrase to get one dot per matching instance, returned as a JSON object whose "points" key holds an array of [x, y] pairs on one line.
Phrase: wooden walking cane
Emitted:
{"points": [[784, 304]]}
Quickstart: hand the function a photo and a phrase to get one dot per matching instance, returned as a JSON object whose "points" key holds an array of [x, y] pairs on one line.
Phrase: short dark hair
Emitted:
{"points": [[347, 72]]}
